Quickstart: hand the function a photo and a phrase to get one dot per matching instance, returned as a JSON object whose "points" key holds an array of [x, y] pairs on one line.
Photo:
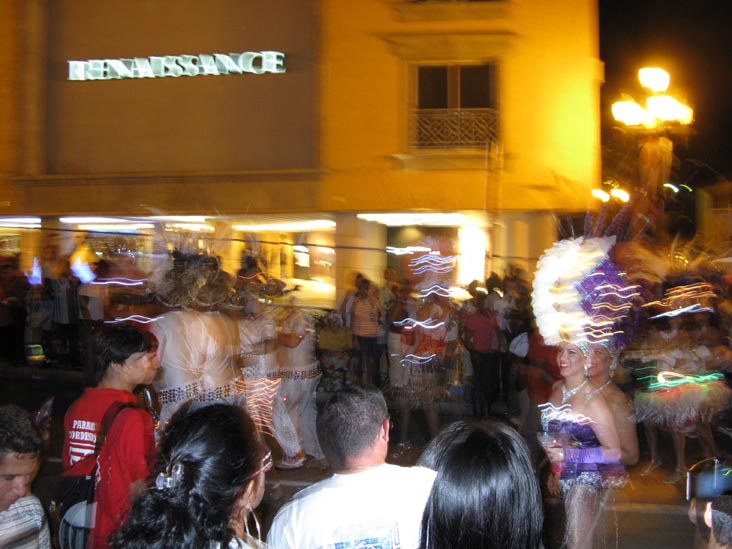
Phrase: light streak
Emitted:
{"points": [[432, 258], [550, 412], [435, 289], [669, 380], [121, 281], [417, 359], [140, 319], [429, 269], [695, 308], [697, 291], [20, 222], [97, 220], [409, 250], [429, 324], [432, 263]]}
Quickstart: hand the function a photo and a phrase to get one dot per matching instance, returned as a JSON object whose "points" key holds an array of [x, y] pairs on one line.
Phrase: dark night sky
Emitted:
{"points": [[692, 40]]}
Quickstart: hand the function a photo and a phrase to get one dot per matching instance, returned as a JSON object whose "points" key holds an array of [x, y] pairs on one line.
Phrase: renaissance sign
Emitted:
{"points": [[217, 64]]}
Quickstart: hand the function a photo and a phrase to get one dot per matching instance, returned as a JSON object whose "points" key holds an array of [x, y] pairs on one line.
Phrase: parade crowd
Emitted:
{"points": [[203, 381]]}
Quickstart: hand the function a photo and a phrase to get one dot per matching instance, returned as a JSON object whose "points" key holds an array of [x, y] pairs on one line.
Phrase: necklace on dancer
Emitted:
{"points": [[592, 393], [567, 395]]}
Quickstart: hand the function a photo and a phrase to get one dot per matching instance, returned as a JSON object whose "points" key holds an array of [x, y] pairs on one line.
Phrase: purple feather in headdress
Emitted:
{"points": [[606, 298]]}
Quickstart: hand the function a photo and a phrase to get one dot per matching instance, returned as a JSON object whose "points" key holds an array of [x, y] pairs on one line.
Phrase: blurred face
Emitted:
{"points": [[571, 360], [363, 288], [600, 361], [142, 367], [17, 471]]}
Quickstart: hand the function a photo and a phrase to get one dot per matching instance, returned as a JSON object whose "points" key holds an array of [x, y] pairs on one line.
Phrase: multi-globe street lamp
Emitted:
{"points": [[654, 124]]}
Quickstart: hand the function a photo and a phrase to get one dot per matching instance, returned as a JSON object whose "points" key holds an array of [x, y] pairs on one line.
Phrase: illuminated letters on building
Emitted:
{"points": [[178, 65]]}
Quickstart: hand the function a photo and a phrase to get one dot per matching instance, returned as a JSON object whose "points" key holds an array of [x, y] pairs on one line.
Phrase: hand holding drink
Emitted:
{"points": [[553, 444]]}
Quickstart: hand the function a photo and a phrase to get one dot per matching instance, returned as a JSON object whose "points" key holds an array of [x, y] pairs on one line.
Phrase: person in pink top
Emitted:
{"points": [[365, 317]]}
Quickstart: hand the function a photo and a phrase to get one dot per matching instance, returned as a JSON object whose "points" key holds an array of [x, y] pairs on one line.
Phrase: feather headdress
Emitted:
{"points": [[580, 295]]}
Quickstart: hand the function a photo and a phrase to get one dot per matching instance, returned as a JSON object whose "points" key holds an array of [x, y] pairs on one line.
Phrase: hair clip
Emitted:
{"points": [[163, 481]]}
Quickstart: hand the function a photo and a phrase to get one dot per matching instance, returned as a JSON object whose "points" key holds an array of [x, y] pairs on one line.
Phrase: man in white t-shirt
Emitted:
{"points": [[366, 501]]}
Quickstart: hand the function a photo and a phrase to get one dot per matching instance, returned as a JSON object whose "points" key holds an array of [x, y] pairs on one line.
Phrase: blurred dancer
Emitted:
{"points": [[430, 344], [300, 377], [683, 393], [400, 343], [260, 370], [197, 352]]}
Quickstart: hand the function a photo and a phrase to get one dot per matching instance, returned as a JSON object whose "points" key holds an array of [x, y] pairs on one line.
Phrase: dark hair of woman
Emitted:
{"points": [[485, 495], [433, 454], [208, 479]]}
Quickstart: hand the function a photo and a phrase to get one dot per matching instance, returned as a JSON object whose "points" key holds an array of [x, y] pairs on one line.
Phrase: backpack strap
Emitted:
{"points": [[107, 420]]}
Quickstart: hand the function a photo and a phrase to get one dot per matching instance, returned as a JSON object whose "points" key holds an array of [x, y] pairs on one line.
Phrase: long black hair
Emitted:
{"points": [[216, 451], [485, 495]]}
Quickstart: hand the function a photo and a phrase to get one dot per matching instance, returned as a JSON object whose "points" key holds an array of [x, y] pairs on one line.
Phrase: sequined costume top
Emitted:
{"points": [[582, 436]]}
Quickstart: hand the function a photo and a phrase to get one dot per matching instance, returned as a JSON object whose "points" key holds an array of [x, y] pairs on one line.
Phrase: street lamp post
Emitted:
{"points": [[654, 124]]}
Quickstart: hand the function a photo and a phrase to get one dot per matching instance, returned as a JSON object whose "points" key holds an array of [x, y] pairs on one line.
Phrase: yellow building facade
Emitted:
{"points": [[485, 110]]}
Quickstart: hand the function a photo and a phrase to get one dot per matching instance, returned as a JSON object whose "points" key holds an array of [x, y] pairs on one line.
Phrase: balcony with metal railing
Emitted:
{"points": [[453, 128]]}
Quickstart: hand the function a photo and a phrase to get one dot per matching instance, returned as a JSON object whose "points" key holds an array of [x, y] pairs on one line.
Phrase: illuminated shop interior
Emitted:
{"points": [[299, 249]]}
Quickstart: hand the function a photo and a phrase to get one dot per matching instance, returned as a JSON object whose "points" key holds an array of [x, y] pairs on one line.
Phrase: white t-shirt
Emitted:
{"points": [[379, 507]]}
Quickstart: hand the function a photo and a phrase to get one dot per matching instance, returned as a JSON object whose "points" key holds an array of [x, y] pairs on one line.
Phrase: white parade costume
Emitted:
{"points": [[197, 353], [260, 371], [300, 375]]}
